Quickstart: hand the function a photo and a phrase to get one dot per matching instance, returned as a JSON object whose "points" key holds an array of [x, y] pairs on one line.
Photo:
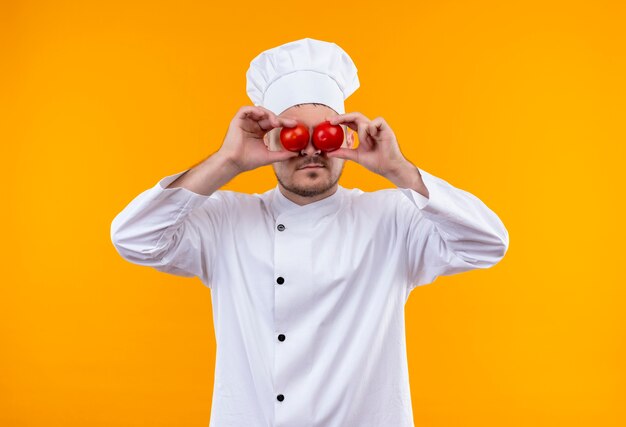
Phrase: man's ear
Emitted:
{"points": [[349, 137]]}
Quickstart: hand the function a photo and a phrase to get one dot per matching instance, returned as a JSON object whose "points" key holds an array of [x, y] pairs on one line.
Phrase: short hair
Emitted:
{"points": [[310, 103]]}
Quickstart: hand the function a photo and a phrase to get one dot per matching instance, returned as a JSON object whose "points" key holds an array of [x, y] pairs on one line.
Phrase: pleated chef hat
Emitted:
{"points": [[302, 71]]}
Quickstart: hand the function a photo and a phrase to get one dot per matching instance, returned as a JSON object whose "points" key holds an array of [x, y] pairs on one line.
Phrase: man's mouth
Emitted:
{"points": [[312, 165]]}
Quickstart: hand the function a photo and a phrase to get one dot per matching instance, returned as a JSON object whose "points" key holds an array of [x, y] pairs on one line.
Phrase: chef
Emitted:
{"points": [[309, 279]]}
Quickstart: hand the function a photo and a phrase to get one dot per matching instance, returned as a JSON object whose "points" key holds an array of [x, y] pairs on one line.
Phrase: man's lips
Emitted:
{"points": [[313, 165]]}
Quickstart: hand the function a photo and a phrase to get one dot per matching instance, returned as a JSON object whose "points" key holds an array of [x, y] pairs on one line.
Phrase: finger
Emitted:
{"points": [[378, 124], [258, 113], [277, 122], [344, 153], [265, 118], [365, 136], [373, 130], [355, 121], [352, 125], [267, 123], [354, 117], [286, 122], [281, 156], [270, 112], [254, 113], [254, 119]]}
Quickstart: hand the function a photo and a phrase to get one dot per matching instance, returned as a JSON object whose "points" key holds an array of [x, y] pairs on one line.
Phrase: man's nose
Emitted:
{"points": [[310, 149]]}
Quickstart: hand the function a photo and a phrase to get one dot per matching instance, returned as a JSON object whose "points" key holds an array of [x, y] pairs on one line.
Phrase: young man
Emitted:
{"points": [[309, 279]]}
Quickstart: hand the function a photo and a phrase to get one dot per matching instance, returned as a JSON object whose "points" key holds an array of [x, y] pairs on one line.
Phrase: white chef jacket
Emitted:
{"points": [[308, 301]]}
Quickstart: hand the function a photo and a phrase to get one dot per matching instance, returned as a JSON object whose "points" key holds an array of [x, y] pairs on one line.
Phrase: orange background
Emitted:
{"points": [[522, 104]]}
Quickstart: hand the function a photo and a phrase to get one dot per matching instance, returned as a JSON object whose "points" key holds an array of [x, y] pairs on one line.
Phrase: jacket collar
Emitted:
{"points": [[282, 206]]}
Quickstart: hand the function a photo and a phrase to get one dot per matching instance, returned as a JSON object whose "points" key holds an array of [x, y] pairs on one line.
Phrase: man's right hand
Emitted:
{"points": [[243, 145]]}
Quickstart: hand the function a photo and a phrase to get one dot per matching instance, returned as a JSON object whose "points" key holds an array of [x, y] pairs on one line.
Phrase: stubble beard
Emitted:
{"points": [[310, 191]]}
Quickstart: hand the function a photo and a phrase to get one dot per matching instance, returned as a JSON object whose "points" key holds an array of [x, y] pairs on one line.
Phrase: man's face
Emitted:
{"points": [[290, 174]]}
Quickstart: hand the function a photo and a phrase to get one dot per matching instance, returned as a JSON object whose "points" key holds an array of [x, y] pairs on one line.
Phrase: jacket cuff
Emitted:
{"points": [[188, 198], [438, 203]]}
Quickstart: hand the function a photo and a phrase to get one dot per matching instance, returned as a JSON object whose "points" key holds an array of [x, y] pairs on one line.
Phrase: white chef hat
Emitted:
{"points": [[302, 71]]}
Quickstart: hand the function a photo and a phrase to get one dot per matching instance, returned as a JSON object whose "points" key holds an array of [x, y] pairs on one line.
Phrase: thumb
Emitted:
{"points": [[344, 153], [279, 156]]}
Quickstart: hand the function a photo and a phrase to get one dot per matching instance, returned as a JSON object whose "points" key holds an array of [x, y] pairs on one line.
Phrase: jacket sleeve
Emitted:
{"points": [[173, 230], [449, 232]]}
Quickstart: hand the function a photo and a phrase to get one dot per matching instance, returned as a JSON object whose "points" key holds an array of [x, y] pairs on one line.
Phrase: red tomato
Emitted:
{"points": [[327, 137], [295, 138]]}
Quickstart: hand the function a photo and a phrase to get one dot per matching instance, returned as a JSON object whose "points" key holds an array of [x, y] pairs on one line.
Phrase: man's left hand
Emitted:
{"points": [[378, 149]]}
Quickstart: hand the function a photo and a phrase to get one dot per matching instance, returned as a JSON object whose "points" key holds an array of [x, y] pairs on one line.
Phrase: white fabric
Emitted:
{"points": [[349, 263], [302, 71]]}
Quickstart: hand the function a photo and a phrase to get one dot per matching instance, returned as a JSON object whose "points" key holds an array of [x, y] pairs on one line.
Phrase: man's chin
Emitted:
{"points": [[309, 189], [311, 184]]}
